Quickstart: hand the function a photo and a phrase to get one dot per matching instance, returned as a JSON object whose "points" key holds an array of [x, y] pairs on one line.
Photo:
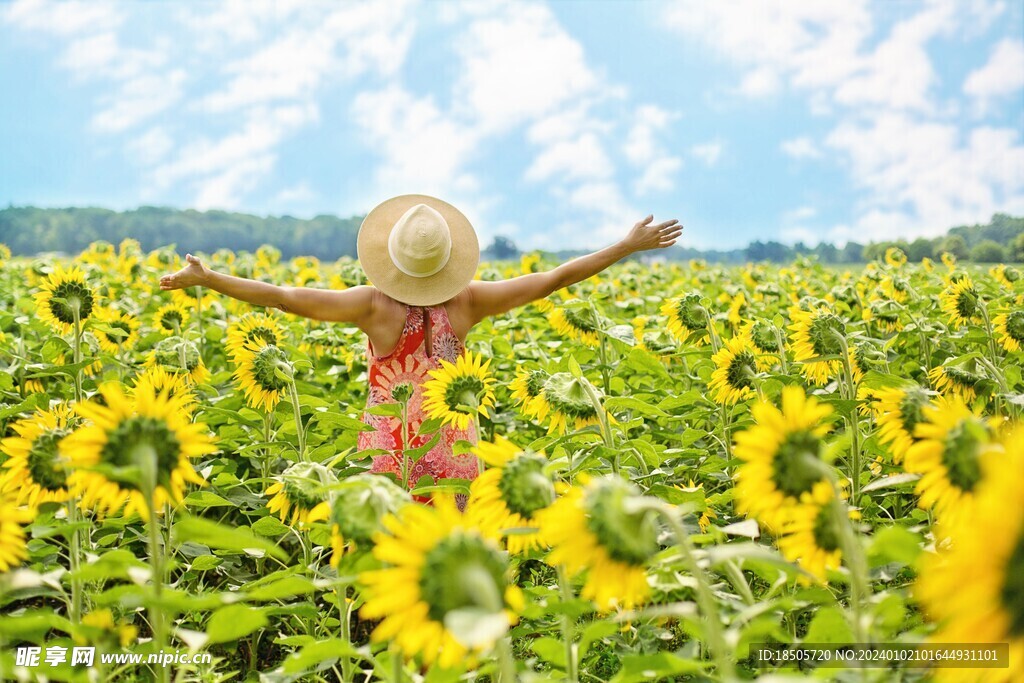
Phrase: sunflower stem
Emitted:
{"points": [[854, 421], [199, 318], [396, 663], [293, 392], [507, 665], [405, 439], [705, 598], [991, 336], [784, 364], [74, 561], [857, 565], [77, 351], [603, 354], [345, 616], [146, 458], [602, 417], [567, 626]]}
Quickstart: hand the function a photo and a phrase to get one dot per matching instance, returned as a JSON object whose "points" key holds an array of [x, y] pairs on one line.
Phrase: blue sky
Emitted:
{"points": [[558, 124]]}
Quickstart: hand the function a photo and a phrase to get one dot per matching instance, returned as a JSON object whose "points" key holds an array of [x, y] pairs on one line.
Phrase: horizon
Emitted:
{"points": [[542, 122]]}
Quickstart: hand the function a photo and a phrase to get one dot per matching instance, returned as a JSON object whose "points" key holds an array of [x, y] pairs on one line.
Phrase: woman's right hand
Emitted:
{"points": [[194, 274]]}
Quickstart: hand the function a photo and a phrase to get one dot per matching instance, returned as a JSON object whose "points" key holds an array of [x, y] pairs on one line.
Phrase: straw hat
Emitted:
{"points": [[418, 249]]}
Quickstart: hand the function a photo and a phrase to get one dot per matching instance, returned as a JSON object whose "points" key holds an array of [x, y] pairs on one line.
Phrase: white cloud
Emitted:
{"points": [[422, 149], [800, 213], [643, 150], [922, 177], [295, 194], [152, 146], [63, 18], [576, 159], [800, 148], [223, 170], [517, 65], [708, 152], [1002, 75]]}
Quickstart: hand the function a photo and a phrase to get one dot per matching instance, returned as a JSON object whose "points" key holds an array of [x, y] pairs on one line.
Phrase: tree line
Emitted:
{"points": [[31, 230]]}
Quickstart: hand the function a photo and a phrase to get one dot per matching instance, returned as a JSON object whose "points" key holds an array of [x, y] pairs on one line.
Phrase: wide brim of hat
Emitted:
{"points": [[372, 249]]}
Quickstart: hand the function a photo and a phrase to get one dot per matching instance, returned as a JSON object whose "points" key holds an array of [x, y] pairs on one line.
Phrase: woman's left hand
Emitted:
{"points": [[647, 235]]}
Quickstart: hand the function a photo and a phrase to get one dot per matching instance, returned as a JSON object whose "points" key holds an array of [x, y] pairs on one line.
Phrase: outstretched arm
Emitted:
{"points": [[493, 298], [350, 305]]}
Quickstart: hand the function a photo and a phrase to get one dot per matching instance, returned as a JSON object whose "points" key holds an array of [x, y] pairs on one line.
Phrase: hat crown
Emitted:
{"points": [[420, 242]]}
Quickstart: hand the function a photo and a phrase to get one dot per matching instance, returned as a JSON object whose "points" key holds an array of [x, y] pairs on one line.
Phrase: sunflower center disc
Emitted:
{"points": [[264, 368], [825, 534], [967, 303], [448, 559], [741, 370], [74, 295], [143, 434], [960, 454], [1015, 325], [911, 409], [523, 486], [823, 331], [44, 463], [792, 472], [764, 337], [626, 536], [462, 391], [1013, 588], [567, 395], [582, 319]]}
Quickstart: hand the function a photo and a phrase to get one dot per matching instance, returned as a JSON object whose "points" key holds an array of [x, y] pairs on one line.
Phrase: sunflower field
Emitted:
{"points": [[683, 464]]}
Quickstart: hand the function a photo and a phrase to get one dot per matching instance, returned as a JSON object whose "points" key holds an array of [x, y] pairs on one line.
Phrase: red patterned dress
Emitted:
{"points": [[409, 362]]}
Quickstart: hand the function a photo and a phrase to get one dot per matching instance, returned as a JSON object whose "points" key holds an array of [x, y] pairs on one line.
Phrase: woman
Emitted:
{"points": [[421, 254]]}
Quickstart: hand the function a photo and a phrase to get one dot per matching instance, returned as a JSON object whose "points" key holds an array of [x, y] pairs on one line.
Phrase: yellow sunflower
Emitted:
{"points": [[158, 380], [438, 566], [5, 254], [781, 456], [63, 292], [527, 389], [12, 534], [171, 319], [459, 390], [810, 536], [1009, 330], [815, 334], [948, 259], [299, 496], [35, 472], [167, 354], [1005, 275], [252, 327], [686, 316], [567, 403], [126, 437], [973, 587], [735, 371], [507, 497], [927, 264], [956, 380], [952, 444], [576, 320], [886, 313], [593, 529], [257, 374], [359, 505], [898, 412], [119, 330], [895, 257], [959, 301], [763, 338]]}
